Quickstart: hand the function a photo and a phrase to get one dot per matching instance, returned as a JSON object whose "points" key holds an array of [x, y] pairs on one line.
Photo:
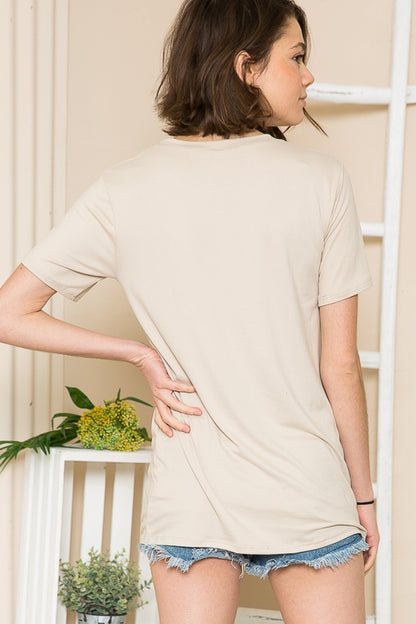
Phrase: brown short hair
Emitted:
{"points": [[200, 91]]}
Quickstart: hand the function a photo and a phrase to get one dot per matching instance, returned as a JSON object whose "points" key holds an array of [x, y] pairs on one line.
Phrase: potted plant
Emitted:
{"points": [[101, 590]]}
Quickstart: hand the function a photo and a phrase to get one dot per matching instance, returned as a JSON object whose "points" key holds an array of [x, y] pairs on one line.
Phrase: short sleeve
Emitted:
{"points": [[79, 251], [343, 270]]}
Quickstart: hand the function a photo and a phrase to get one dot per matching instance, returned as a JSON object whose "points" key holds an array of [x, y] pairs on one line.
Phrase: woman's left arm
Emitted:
{"points": [[343, 383]]}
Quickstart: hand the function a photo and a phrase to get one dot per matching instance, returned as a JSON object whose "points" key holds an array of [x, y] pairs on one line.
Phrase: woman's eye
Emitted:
{"points": [[299, 58]]}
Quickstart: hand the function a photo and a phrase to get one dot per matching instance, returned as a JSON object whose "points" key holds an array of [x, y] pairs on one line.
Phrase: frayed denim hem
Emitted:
{"points": [[329, 560], [158, 553], [332, 556], [171, 554]]}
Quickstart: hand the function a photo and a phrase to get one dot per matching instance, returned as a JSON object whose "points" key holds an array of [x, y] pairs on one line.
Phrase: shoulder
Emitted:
{"points": [[127, 170], [318, 163]]}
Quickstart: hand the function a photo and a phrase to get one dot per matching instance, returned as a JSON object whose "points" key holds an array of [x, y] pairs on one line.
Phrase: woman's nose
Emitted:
{"points": [[308, 77]]}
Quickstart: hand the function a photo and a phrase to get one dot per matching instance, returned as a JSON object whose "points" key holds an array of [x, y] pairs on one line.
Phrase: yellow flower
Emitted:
{"points": [[112, 426]]}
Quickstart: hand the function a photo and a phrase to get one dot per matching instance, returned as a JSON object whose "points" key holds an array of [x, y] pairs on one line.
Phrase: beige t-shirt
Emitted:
{"points": [[226, 249]]}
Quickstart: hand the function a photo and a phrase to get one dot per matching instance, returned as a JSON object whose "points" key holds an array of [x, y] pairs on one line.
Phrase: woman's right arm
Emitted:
{"points": [[343, 384], [23, 323]]}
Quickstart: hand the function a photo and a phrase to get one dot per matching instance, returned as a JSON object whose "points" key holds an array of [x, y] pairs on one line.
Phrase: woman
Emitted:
{"points": [[242, 258]]}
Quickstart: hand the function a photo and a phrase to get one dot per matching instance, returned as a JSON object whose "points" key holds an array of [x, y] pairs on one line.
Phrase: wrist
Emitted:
{"points": [[363, 491], [136, 352]]}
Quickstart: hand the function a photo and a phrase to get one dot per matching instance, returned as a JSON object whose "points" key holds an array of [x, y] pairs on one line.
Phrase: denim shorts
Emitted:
{"points": [[182, 557]]}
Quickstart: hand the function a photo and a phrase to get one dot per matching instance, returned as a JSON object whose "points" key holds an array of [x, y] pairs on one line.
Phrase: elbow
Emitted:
{"points": [[341, 368], [7, 323], [5, 329]]}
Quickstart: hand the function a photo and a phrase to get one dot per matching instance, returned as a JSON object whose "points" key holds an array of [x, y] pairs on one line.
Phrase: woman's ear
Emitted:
{"points": [[244, 67]]}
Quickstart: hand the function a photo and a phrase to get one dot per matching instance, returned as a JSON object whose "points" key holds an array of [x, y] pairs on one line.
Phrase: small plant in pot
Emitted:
{"points": [[103, 589]]}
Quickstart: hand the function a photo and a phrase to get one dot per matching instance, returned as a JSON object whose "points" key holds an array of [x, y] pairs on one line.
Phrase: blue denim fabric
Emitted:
{"points": [[182, 557]]}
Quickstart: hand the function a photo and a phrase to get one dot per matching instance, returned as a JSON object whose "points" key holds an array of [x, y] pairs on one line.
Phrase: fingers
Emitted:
{"points": [[367, 515], [369, 558], [174, 403], [178, 386], [165, 393], [165, 402], [167, 422], [373, 540], [164, 389]]}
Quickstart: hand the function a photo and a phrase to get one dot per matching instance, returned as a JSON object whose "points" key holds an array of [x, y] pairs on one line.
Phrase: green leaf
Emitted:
{"points": [[143, 434], [79, 398], [137, 401], [41, 442], [68, 418]]}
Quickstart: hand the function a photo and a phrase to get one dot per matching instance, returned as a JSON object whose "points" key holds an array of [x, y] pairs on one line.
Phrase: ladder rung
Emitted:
{"points": [[370, 359], [375, 230], [350, 94]]}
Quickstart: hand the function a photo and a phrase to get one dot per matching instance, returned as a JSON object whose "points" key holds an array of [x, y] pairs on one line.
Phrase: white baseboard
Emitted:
{"points": [[257, 616], [264, 616]]}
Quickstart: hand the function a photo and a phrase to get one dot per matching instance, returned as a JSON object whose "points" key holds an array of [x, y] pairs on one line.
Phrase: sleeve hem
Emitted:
{"points": [[69, 293], [327, 299]]}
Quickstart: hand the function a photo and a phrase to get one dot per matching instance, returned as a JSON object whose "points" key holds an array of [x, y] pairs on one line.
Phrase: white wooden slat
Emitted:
{"points": [[63, 549], [35, 553], [375, 230], [67, 497], [122, 509], [93, 508], [393, 194], [28, 532], [353, 94], [74, 453], [7, 516], [370, 359], [46, 535], [52, 529], [149, 613]]}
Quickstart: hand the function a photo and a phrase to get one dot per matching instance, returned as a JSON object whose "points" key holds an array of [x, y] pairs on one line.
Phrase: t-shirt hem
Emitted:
{"points": [[248, 549], [350, 292]]}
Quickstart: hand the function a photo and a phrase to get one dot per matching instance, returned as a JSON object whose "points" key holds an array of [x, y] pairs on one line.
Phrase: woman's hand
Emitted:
{"points": [[367, 515], [162, 387]]}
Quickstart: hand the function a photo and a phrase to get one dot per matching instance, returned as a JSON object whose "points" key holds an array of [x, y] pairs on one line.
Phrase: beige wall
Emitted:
{"points": [[114, 52]]}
